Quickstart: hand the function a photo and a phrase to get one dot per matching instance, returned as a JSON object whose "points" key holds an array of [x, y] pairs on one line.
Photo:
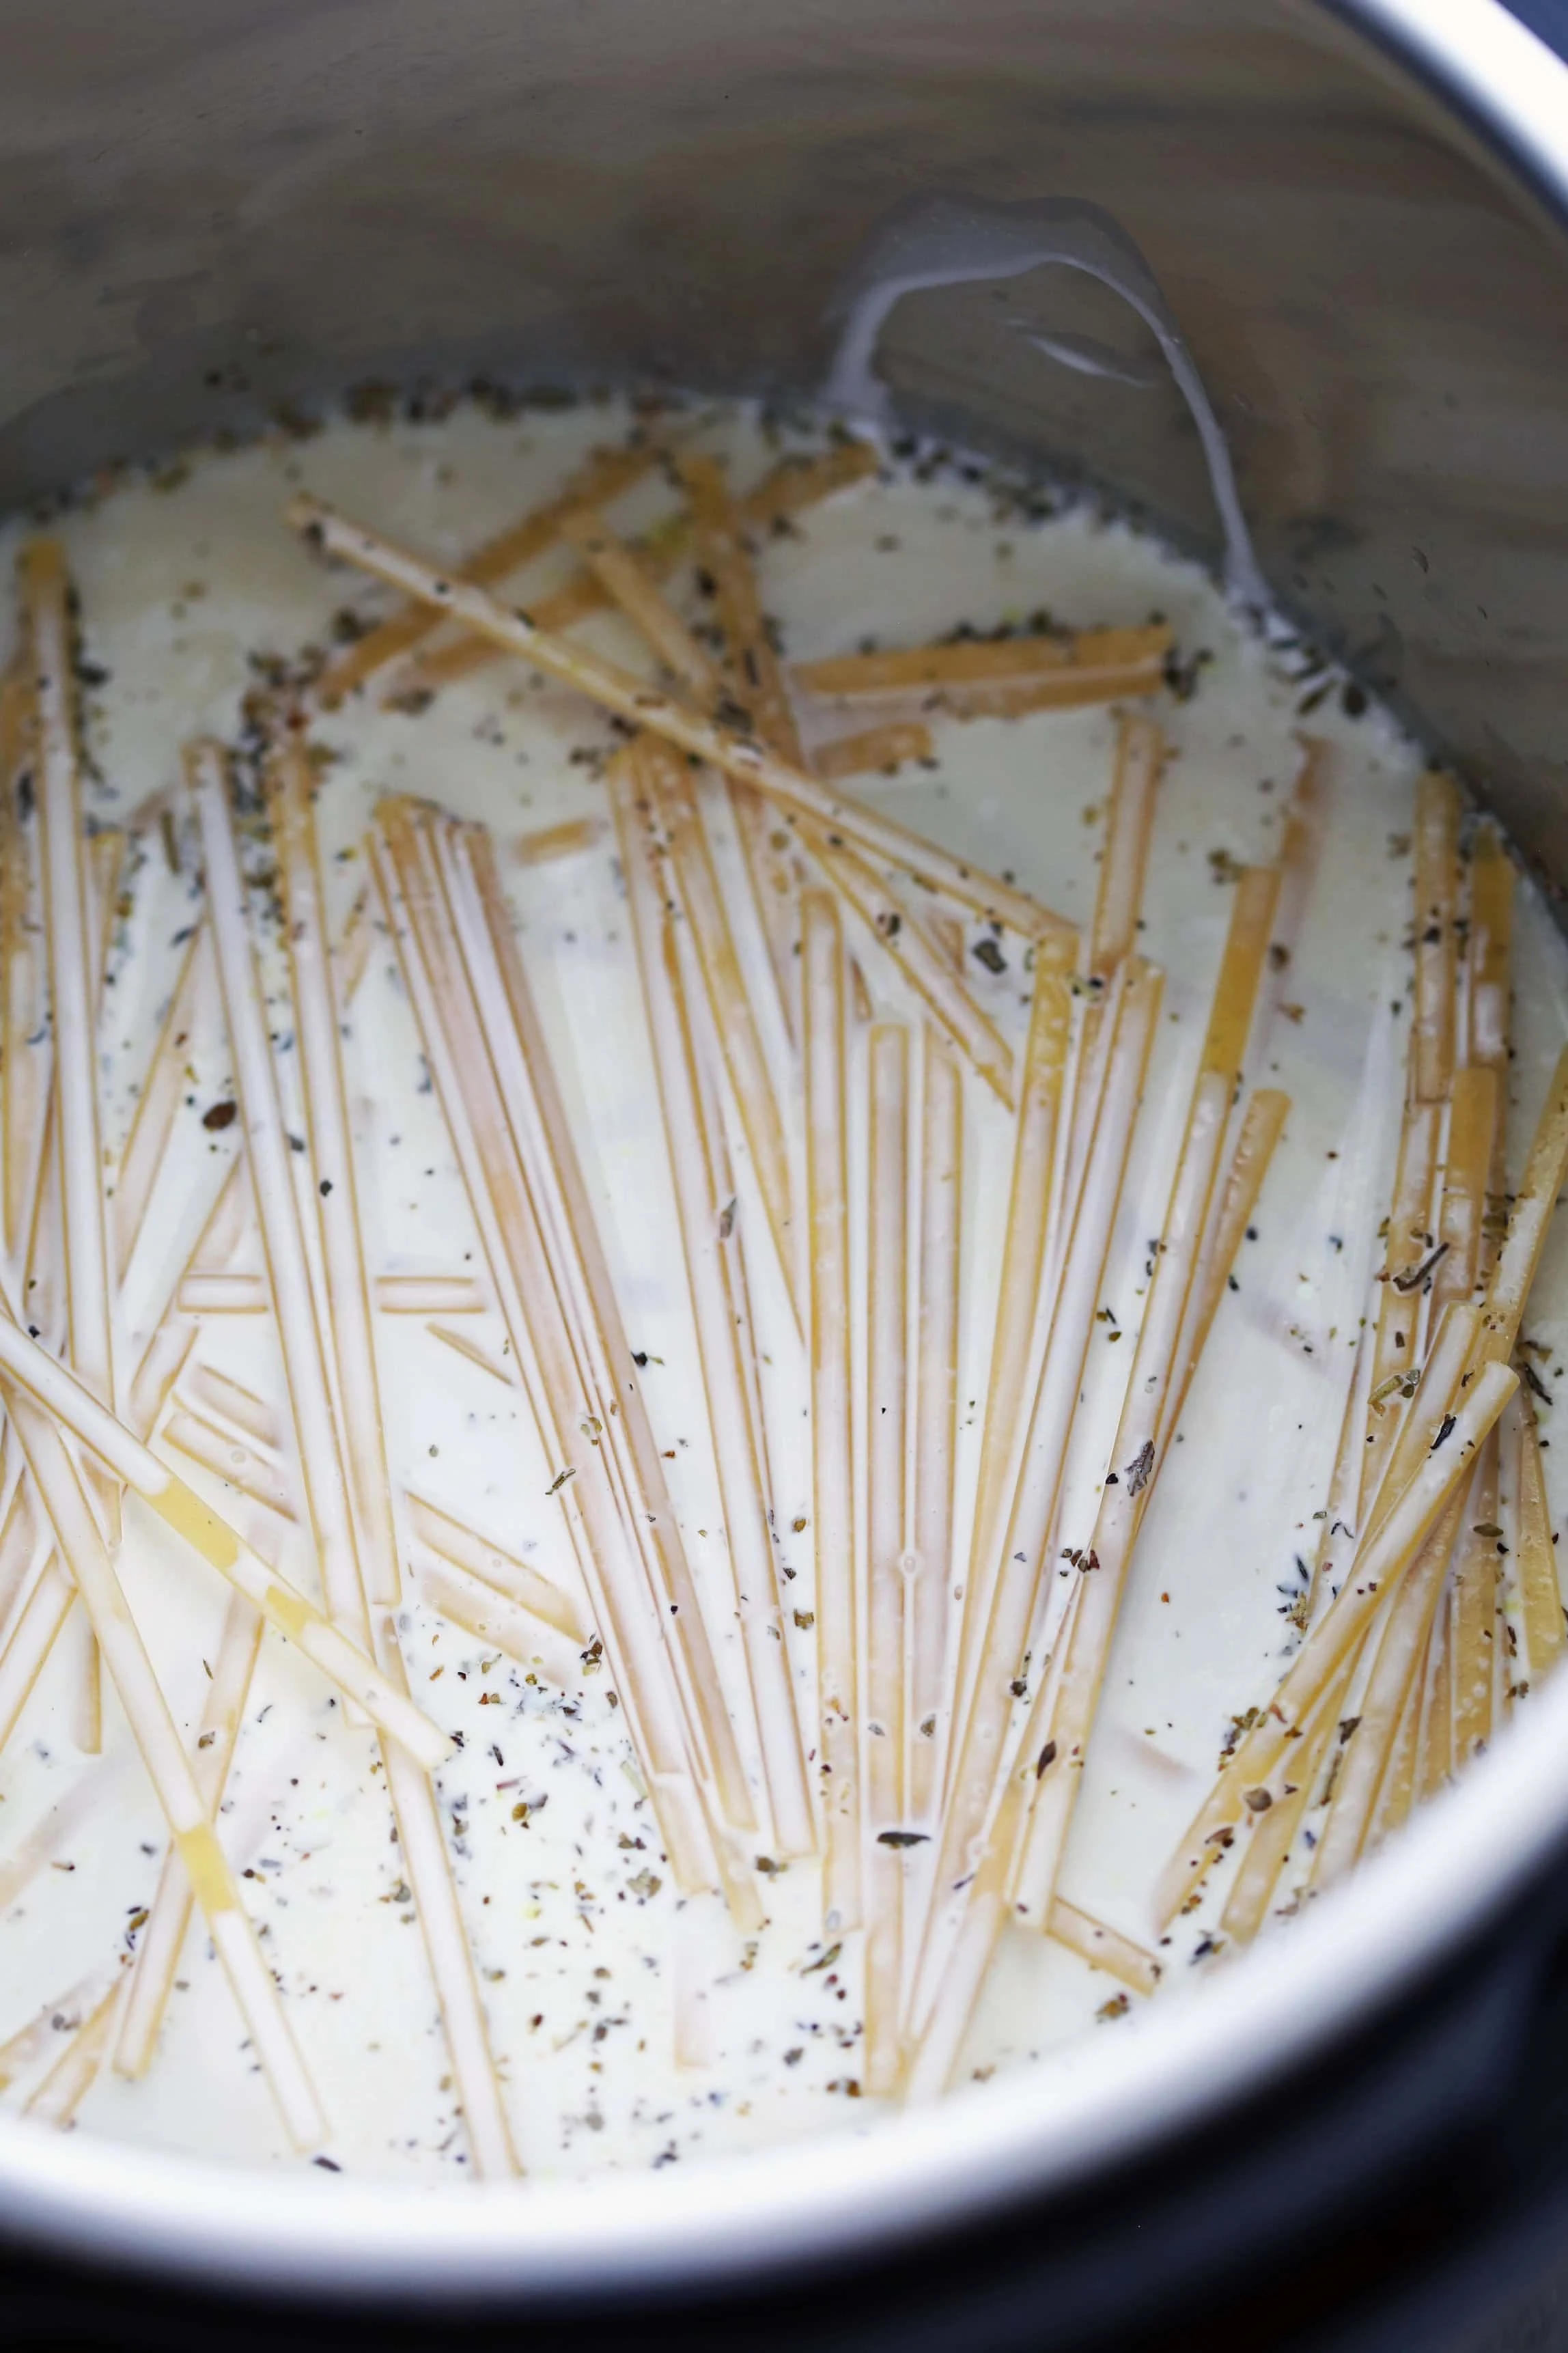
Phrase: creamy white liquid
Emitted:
{"points": [[589, 1959]]}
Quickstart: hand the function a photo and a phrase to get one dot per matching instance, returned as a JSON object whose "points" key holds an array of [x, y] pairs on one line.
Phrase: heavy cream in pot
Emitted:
{"points": [[570, 1993]]}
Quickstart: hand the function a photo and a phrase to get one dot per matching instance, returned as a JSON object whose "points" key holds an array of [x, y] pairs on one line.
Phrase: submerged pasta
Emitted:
{"points": [[792, 1180]]}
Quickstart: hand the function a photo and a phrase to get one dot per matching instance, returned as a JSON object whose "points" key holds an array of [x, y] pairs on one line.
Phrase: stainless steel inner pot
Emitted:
{"points": [[1354, 214]]}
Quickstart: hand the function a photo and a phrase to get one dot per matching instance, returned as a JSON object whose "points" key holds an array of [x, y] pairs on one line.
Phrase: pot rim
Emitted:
{"points": [[1100, 2100], [1490, 70], [1040, 2128]]}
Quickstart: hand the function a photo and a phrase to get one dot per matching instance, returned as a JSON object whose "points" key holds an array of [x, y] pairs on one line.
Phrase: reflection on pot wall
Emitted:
{"points": [[204, 213]]}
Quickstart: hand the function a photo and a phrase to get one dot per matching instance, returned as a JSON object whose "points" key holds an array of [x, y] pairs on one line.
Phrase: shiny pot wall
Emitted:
{"points": [[1350, 213], [205, 209]]}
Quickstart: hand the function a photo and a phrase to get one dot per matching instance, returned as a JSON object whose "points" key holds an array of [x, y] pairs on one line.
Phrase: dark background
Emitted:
{"points": [[1547, 18]]}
